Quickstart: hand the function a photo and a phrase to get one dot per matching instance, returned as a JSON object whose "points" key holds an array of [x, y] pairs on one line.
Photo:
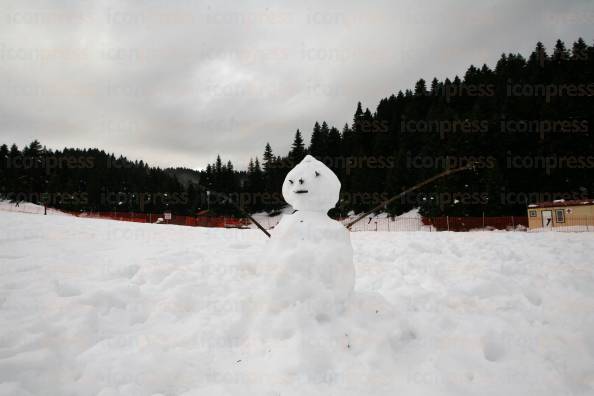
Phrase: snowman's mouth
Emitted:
{"points": [[301, 192]]}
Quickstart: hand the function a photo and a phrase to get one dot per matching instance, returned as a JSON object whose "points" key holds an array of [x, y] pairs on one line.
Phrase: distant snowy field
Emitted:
{"points": [[96, 307]]}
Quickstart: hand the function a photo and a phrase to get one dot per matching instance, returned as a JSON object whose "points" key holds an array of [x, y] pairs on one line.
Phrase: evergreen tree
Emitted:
{"points": [[218, 165], [268, 158], [421, 88], [297, 152], [560, 53], [316, 145], [3, 170], [434, 87], [579, 51], [319, 140], [537, 59]]}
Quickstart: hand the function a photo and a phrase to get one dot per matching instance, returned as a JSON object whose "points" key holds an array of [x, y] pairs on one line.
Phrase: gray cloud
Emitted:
{"points": [[177, 82]]}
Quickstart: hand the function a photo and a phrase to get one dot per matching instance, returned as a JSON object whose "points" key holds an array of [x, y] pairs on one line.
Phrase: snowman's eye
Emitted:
{"points": [[290, 181], [317, 173]]}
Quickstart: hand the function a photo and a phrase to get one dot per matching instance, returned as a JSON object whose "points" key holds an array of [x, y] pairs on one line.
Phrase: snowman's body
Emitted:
{"points": [[311, 254]]}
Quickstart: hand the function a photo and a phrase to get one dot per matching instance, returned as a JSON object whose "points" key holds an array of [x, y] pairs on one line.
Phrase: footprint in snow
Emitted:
{"points": [[66, 290], [533, 297], [493, 348]]}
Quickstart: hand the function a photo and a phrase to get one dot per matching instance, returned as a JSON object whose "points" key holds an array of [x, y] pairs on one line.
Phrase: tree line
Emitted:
{"points": [[525, 125]]}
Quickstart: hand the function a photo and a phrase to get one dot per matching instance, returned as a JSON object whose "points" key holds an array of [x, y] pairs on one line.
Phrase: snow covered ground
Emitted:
{"points": [[94, 307]]}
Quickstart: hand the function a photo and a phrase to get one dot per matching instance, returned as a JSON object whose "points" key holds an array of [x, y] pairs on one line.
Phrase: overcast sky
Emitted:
{"points": [[176, 82]]}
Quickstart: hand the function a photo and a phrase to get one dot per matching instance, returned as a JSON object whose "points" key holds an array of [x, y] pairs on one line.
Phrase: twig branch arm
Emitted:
{"points": [[413, 188]]}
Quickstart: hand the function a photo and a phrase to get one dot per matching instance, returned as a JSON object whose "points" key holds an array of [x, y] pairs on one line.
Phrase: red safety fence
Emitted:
{"points": [[218, 222], [447, 223]]}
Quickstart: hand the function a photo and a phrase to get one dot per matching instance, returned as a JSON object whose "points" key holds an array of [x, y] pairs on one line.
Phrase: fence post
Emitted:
{"points": [[483, 221], [448, 222], [513, 224]]}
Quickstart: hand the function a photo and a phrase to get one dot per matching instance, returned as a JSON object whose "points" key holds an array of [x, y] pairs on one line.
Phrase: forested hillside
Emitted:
{"points": [[526, 122]]}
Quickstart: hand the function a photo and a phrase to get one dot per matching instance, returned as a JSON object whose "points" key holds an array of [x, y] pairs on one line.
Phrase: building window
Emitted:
{"points": [[532, 213], [560, 216]]}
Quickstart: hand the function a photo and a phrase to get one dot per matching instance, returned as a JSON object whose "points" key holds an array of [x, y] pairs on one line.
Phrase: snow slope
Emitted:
{"points": [[27, 207], [104, 308]]}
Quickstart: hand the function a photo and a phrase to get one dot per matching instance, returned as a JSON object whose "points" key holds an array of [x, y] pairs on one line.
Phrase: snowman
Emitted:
{"points": [[304, 320], [310, 254]]}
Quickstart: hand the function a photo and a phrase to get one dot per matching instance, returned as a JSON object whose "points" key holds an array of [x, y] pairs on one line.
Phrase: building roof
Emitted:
{"points": [[562, 203]]}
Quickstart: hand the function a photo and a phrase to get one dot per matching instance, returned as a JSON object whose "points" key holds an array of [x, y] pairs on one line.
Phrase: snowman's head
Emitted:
{"points": [[311, 186]]}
